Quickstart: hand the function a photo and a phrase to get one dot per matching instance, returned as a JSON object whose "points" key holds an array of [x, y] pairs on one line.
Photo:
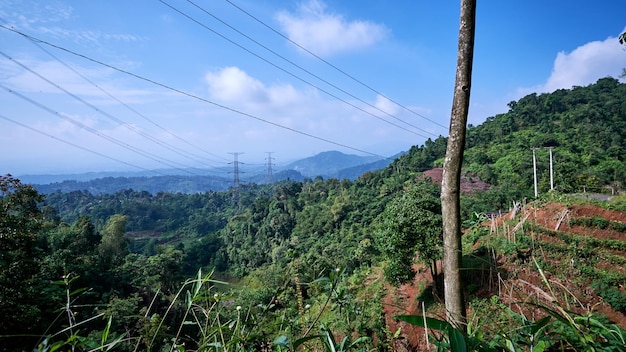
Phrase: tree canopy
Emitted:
{"points": [[410, 228]]}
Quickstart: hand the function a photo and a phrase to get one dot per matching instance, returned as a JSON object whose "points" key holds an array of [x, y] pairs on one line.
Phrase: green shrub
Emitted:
{"points": [[611, 294]]}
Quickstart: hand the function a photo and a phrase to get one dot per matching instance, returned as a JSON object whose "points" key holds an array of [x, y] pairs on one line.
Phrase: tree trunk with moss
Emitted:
{"points": [[451, 183]]}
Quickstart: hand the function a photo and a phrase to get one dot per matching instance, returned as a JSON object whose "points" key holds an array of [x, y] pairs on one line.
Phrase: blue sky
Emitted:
{"points": [[137, 85]]}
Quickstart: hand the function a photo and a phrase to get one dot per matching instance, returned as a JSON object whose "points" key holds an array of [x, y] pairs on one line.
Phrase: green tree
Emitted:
{"points": [[113, 246], [411, 226], [112, 250], [159, 272], [20, 222], [71, 249]]}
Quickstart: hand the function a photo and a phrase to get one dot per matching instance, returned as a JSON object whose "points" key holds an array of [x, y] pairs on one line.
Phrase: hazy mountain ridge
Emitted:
{"points": [[354, 172], [332, 164]]}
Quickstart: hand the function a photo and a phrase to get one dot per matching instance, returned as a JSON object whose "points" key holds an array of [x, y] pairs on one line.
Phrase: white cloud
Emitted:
{"points": [[386, 105], [586, 64], [232, 85], [326, 33], [312, 117]]}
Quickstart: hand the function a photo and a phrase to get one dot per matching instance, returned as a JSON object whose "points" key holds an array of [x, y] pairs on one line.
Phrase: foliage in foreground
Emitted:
{"points": [[559, 330], [209, 319], [556, 328]]}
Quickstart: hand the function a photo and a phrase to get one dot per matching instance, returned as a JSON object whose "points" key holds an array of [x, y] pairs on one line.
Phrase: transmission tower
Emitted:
{"points": [[270, 175], [236, 162]]}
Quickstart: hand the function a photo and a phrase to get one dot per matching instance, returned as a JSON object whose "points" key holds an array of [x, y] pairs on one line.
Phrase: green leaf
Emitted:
{"points": [[359, 340], [540, 346], [321, 279], [538, 325], [342, 345], [77, 291], [281, 340], [105, 333], [300, 341], [457, 340], [509, 345], [431, 323], [115, 342], [331, 342]]}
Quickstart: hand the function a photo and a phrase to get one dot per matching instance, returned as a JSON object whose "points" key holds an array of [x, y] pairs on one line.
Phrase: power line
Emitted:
{"points": [[84, 148], [191, 95], [98, 133], [122, 123], [76, 145], [333, 66], [302, 79], [133, 110], [304, 69]]}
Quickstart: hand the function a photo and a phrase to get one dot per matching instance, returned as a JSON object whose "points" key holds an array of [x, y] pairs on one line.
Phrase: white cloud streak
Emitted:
{"points": [[386, 105], [50, 19], [327, 33]]}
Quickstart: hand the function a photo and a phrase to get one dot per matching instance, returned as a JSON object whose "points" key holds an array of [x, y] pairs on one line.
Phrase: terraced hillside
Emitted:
{"points": [[581, 249], [563, 257]]}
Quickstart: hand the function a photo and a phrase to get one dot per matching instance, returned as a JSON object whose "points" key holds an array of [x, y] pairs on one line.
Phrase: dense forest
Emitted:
{"points": [[274, 266]]}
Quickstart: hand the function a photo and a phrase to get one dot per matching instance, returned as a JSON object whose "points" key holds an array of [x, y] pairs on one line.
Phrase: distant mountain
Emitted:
{"points": [[154, 184], [88, 176], [329, 164], [354, 172]]}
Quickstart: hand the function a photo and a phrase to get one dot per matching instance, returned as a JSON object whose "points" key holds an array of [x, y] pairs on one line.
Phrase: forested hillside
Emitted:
{"points": [[586, 126], [298, 259]]}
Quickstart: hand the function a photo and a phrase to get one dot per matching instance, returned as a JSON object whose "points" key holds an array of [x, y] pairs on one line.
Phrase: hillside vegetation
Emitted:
{"points": [[586, 126], [293, 263]]}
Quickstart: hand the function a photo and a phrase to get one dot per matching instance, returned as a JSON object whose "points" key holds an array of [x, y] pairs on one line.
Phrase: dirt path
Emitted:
{"points": [[404, 300]]}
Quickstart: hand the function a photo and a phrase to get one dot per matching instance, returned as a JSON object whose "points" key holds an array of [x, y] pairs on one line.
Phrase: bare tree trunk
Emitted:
{"points": [[451, 183]]}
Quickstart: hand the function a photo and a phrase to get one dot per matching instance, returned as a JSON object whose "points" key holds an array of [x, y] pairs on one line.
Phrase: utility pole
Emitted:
{"points": [[535, 171], [551, 172], [270, 176]]}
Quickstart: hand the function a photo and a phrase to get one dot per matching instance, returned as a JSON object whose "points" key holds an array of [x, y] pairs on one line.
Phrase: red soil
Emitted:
{"points": [[469, 182], [522, 283]]}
